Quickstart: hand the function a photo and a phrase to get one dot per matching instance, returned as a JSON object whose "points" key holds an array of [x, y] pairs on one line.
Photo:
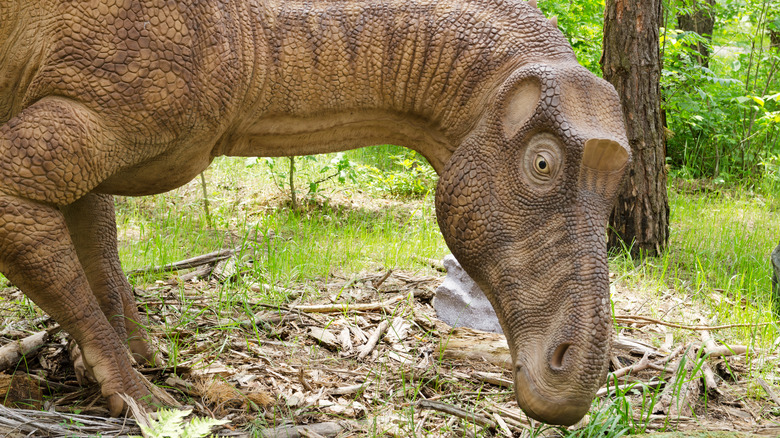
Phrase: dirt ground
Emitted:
{"points": [[270, 370]]}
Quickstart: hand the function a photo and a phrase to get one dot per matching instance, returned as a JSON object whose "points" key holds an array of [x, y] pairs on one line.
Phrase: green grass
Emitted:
{"points": [[718, 256], [349, 234]]}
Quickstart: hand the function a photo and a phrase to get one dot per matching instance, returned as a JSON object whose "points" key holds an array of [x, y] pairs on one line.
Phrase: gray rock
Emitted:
{"points": [[461, 303]]}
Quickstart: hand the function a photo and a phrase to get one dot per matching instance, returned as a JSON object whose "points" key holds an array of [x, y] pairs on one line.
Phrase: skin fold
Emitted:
{"points": [[136, 97]]}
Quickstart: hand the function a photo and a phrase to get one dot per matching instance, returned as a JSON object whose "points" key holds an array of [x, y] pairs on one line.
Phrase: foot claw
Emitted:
{"points": [[83, 373], [116, 406]]}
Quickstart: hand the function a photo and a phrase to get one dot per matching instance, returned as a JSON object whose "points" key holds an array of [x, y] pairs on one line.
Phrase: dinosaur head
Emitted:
{"points": [[523, 204]]}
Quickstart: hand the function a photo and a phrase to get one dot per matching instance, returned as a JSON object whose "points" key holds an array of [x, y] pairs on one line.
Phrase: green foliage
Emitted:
{"points": [[410, 177], [170, 424], [606, 420], [582, 22], [771, 174], [723, 119], [339, 167], [322, 238], [390, 170]]}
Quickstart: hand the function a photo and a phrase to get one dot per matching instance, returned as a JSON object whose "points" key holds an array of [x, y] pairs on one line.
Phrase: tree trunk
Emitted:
{"points": [[631, 62], [702, 22]]}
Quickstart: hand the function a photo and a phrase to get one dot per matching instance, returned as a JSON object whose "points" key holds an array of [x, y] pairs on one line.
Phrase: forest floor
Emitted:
{"points": [[360, 352], [306, 363]]}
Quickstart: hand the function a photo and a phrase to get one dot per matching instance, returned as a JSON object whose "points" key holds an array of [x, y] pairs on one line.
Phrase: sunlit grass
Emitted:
{"points": [[346, 234]]}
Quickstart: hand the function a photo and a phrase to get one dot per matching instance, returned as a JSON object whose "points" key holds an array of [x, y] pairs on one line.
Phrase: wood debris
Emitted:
{"points": [[369, 350]]}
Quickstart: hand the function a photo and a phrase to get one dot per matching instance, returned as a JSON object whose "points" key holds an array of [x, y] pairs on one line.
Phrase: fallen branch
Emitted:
{"points": [[711, 348], [711, 385], [202, 272], [308, 433], [769, 391], [473, 345], [346, 307], [643, 364], [330, 429], [633, 319], [193, 262], [502, 426], [11, 353], [514, 417], [325, 338], [458, 412], [366, 349], [379, 282], [634, 346], [682, 390], [492, 378], [16, 422]]}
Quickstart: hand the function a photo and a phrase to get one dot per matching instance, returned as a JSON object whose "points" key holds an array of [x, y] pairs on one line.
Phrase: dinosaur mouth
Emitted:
{"points": [[548, 406]]}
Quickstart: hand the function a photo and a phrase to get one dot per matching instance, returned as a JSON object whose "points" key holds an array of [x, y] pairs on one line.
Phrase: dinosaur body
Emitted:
{"points": [[137, 97]]}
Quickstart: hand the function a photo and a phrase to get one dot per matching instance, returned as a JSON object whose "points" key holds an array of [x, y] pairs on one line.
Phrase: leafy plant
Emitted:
{"points": [[606, 421], [339, 168], [342, 170], [722, 119], [410, 177], [170, 424]]}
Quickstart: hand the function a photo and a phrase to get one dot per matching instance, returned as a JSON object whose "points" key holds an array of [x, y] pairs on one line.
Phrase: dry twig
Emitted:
{"points": [[712, 349], [770, 392], [14, 422], [366, 349], [193, 262], [682, 390], [330, 429], [458, 412], [381, 280], [638, 319], [346, 307], [643, 364], [11, 353]]}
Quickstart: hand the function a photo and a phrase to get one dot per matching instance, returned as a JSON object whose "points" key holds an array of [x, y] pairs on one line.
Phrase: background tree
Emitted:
{"points": [[631, 62], [699, 18]]}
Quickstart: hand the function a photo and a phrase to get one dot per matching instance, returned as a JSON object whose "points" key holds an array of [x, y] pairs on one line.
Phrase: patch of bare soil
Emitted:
{"points": [[366, 358]]}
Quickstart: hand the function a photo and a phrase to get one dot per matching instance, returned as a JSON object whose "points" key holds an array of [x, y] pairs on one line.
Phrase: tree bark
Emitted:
{"points": [[703, 23], [631, 62]]}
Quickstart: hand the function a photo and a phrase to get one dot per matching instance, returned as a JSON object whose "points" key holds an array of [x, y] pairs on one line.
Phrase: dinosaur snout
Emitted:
{"points": [[543, 402]]}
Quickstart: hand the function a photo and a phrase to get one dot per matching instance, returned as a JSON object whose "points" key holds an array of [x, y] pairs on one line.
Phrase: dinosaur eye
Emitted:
{"points": [[542, 165], [542, 161]]}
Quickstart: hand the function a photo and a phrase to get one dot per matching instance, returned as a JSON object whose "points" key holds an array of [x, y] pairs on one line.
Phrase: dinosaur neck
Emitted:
{"points": [[425, 68]]}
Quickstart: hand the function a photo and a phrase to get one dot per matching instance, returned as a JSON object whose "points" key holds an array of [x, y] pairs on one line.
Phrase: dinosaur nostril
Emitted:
{"points": [[556, 362]]}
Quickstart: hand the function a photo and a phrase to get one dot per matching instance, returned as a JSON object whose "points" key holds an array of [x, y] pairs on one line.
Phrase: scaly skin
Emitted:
{"points": [[137, 97]]}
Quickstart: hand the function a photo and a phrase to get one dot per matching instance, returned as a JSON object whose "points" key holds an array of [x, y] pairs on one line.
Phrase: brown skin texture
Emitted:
{"points": [[137, 97]]}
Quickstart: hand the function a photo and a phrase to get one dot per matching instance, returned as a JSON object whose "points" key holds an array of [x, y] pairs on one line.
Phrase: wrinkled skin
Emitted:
{"points": [[137, 97], [532, 235]]}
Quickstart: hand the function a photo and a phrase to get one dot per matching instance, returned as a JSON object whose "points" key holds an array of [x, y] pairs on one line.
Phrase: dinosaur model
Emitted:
{"points": [[136, 97]]}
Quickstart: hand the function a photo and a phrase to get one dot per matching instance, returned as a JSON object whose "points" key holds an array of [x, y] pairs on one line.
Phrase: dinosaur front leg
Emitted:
{"points": [[53, 153], [92, 228], [39, 257]]}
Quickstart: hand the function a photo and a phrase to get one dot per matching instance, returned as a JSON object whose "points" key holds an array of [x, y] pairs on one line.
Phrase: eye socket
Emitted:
{"points": [[542, 165], [541, 161]]}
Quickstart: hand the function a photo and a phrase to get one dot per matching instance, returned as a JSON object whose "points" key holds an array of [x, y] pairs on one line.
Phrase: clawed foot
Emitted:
{"points": [[116, 375]]}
